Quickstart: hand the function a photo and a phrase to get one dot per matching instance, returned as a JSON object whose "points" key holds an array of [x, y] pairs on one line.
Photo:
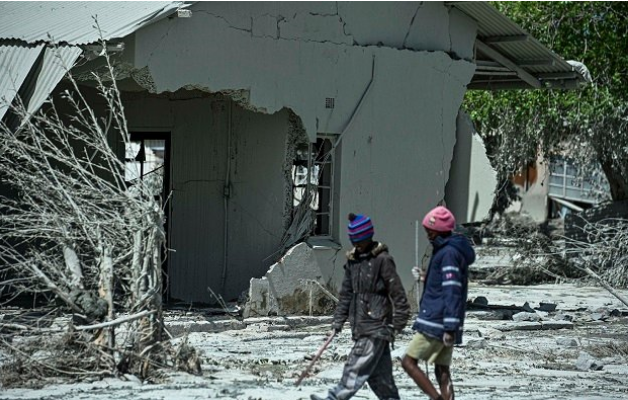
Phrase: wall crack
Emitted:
{"points": [[416, 12], [225, 20]]}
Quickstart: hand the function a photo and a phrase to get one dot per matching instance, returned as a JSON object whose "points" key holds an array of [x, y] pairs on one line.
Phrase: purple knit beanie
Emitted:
{"points": [[360, 228]]}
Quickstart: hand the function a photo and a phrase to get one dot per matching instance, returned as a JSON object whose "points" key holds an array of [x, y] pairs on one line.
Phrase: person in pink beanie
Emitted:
{"points": [[439, 323]]}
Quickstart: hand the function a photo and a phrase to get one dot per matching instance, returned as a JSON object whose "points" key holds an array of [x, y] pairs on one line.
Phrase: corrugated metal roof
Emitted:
{"points": [[15, 63], [508, 40], [55, 63], [73, 22], [27, 26]]}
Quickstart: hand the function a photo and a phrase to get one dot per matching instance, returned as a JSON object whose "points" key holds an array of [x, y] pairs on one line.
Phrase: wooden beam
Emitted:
{"points": [[479, 72], [518, 84], [499, 68], [483, 85], [535, 63], [505, 39], [560, 75], [506, 62]]}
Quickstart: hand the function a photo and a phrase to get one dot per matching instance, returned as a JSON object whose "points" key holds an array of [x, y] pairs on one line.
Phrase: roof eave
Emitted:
{"points": [[507, 57]]}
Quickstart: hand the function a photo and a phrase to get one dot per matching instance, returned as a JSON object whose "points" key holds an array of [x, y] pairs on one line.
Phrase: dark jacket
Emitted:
{"points": [[444, 300], [372, 296]]}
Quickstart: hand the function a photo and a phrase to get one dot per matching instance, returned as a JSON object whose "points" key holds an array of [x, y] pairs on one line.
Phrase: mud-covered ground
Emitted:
{"points": [[264, 359]]}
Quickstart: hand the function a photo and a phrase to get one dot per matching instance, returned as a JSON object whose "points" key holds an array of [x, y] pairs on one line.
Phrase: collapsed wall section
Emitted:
{"points": [[289, 287]]}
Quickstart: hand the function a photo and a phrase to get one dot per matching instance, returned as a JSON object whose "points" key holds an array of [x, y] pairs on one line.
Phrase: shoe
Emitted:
{"points": [[315, 397]]}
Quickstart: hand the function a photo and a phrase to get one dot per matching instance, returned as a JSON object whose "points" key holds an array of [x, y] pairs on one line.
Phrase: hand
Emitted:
{"points": [[335, 329], [449, 338], [417, 273]]}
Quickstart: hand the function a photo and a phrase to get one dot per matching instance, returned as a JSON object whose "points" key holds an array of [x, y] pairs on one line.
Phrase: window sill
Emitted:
{"points": [[323, 243]]}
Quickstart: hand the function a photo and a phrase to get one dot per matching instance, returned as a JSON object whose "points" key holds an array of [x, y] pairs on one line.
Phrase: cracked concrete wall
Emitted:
{"points": [[297, 67], [396, 152], [472, 181], [414, 25]]}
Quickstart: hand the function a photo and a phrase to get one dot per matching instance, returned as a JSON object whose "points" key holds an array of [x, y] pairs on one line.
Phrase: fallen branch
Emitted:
{"points": [[606, 286], [116, 322]]}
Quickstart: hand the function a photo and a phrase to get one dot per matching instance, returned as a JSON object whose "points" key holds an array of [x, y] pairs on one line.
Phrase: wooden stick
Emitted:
{"points": [[322, 288], [419, 284], [316, 357]]}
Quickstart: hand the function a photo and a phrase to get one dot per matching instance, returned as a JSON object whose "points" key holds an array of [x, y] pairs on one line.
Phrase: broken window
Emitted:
{"points": [[315, 162], [572, 182], [145, 160]]}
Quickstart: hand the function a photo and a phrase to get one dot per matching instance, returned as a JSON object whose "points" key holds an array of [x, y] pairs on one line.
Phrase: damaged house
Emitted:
{"points": [[269, 122]]}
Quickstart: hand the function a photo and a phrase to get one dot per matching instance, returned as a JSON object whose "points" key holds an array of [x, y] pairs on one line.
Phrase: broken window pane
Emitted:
{"points": [[320, 179], [144, 159]]}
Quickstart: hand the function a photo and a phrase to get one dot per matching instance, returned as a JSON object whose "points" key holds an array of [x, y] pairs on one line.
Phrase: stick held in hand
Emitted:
{"points": [[316, 357]]}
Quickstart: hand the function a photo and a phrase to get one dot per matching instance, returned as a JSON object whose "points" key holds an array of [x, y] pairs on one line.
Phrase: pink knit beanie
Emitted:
{"points": [[439, 219]]}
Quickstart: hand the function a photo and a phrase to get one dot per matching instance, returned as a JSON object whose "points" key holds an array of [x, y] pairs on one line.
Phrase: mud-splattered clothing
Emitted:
{"points": [[369, 361], [372, 296], [374, 301]]}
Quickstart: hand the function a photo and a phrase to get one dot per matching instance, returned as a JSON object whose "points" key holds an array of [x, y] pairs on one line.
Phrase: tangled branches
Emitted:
{"points": [[603, 248], [74, 230]]}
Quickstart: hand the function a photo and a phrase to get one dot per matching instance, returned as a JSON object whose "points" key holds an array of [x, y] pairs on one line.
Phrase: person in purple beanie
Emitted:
{"points": [[374, 301]]}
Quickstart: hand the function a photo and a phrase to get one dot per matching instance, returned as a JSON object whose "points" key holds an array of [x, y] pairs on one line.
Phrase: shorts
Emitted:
{"points": [[432, 350]]}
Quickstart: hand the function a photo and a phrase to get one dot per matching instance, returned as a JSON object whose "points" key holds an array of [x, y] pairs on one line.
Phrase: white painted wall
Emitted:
{"points": [[397, 151], [533, 186], [472, 181]]}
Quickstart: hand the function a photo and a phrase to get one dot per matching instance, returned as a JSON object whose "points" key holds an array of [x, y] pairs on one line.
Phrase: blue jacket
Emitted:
{"points": [[444, 300]]}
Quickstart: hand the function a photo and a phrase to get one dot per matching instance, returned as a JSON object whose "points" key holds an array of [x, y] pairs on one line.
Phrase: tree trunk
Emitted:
{"points": [[617, 182]]}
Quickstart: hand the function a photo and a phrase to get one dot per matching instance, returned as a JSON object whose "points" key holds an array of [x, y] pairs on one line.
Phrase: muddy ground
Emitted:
{"points": [[261, 358]]}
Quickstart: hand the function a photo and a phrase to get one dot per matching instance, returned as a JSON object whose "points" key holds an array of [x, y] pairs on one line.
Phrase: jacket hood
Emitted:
{"points": [[375, 251], [460, 242]]}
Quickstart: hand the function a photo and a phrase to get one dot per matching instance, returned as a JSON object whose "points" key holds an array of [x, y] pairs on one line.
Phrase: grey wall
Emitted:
{"points": [[397, 154], [397, 150], [292, 54], [199, 133]]}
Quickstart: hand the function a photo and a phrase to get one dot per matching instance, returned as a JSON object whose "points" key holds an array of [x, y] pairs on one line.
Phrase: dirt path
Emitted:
{"points": [[263, 361]]}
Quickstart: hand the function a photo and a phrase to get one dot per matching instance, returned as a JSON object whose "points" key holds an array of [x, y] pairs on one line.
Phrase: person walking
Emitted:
{"points": [[439, 323], [374, 301]]}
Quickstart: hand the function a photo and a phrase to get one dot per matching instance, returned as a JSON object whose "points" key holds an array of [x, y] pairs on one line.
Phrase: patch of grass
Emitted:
{"points": [[610, 349]]}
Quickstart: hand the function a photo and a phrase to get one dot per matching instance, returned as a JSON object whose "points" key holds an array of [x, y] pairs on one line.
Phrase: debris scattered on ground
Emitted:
{"points": [[261, 358]]}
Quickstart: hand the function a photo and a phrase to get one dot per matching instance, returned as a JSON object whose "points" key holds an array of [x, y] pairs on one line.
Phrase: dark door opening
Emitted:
{"points": [[147, 157]]}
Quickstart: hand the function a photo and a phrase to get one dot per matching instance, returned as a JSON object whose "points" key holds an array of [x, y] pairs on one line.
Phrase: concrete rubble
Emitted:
{"points": [[289, 287]]}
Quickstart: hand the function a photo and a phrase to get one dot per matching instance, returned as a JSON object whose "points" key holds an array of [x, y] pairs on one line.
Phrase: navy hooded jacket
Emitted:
{"points": [[444, 300]]}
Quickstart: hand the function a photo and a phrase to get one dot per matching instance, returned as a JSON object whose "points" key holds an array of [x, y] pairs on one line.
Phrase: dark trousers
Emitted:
{"points": [[369, 361]]}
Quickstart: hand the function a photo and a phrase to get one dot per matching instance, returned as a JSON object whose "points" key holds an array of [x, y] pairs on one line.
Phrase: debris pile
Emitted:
{"points": [[292, 286]]}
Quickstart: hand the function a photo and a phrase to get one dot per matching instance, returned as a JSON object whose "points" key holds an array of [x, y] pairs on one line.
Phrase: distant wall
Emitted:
{"points": [[533, 186], [472, 181]]}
